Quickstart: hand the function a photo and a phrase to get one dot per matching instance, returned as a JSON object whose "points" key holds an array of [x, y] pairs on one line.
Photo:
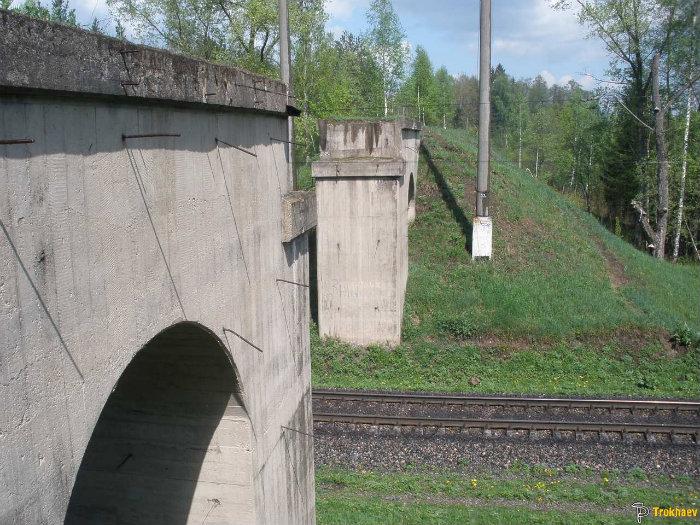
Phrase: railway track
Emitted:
{"points": [[654, 410]]}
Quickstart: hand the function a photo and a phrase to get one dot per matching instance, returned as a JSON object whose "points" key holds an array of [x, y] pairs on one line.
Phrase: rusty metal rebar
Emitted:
{"points": [[7, 142]]}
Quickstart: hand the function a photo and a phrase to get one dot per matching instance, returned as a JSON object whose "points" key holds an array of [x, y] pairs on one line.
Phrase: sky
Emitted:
{"points": [[529, 37]]}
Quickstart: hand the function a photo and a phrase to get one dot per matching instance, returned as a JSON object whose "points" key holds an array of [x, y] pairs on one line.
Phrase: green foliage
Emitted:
{"points": [[454, 325], [419, 92], [426, 95], [686, 336], [466, 101], [634, 32], [386, 39], [445, 96], [59, 11], [243, 33]]}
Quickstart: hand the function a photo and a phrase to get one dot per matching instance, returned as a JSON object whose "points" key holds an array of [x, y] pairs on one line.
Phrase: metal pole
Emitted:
{"points": [[284, 40], [482, 224], [286, 73], [482, 176]]}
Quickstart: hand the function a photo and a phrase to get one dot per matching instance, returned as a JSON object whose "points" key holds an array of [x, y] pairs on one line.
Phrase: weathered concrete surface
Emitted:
{"points": [[38, 55], [362, 196], [104, 245], [359, 138], [298, 214], [370, 168]]}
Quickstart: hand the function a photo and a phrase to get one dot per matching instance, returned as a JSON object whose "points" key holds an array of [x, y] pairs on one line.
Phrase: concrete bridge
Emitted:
{"points": [[154, 308]]}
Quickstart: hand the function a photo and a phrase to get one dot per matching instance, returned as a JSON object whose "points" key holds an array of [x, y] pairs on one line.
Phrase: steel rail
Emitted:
{"points": [[505, 401], [507, 424]]}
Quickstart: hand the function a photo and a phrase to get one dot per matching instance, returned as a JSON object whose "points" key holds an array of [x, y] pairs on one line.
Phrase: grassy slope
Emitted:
{"points": [[564, 307]]}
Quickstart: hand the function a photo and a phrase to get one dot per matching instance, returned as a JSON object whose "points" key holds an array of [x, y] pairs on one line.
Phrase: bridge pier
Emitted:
{"points": [[365, 191]]}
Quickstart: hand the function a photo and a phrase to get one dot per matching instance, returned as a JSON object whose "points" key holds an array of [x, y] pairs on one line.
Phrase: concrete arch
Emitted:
{"points": [[173, 443]]}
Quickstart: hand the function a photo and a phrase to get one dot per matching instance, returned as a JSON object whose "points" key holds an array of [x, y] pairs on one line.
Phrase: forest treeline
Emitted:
{"points": [[627, 150]]}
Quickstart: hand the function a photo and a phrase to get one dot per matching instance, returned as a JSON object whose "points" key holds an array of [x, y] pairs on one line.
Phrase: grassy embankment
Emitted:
{"points": [[521, 495], [565, 307]]}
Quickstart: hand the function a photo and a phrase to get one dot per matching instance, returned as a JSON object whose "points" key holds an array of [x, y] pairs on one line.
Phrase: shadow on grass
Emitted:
{"points": [[450, 200]]}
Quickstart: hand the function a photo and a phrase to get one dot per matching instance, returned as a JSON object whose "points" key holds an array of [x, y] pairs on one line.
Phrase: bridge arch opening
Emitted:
{"points": [[173, 443], [411, 198]]}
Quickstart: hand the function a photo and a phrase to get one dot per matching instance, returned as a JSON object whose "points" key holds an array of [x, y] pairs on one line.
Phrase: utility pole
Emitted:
{"points": [[482, 224], [286, 73]]}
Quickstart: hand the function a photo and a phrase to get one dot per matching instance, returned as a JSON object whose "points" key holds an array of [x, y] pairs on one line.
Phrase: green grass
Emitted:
{"points": [[537, 496], [564, 307], [354, 510]]}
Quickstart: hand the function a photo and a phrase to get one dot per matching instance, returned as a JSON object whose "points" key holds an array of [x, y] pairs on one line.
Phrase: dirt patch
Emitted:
{"points": [[631, 338], [613, 265], [444, 143], [627, 339], [506, 345]]}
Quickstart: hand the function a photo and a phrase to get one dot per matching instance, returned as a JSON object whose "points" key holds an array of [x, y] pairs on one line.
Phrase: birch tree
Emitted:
{"points": [[387, 38], [684, 170]]}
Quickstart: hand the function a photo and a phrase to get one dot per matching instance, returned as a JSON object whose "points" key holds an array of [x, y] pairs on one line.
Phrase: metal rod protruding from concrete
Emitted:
{"points": [[236, 147], [149, 135], [482, 177], [7, 142], [293, 282], [285, 141]]}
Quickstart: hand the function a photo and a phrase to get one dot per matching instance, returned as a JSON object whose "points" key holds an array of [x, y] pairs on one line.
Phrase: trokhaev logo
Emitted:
{"points": [[663, 512]]}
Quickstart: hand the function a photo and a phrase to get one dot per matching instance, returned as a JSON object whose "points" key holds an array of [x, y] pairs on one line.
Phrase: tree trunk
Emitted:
{"points": [[684, 168], [662, 159], [520, 137], [588, 180], [537, 162], [573, 167], [692, 240]]}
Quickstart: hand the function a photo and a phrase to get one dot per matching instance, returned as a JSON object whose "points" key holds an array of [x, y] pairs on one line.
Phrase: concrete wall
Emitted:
{"points": [[362, 190], [106, 243]]}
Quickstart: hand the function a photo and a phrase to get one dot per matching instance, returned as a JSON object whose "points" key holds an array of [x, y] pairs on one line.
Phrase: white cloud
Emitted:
{"points": [[89, 9], [563, 81], [343, 9], [548, 77], [516, 46], [586, 81], [555, 24]]}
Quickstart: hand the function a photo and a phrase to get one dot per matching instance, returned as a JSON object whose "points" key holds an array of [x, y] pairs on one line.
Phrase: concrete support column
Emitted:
{"points": [[362, 192]]}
